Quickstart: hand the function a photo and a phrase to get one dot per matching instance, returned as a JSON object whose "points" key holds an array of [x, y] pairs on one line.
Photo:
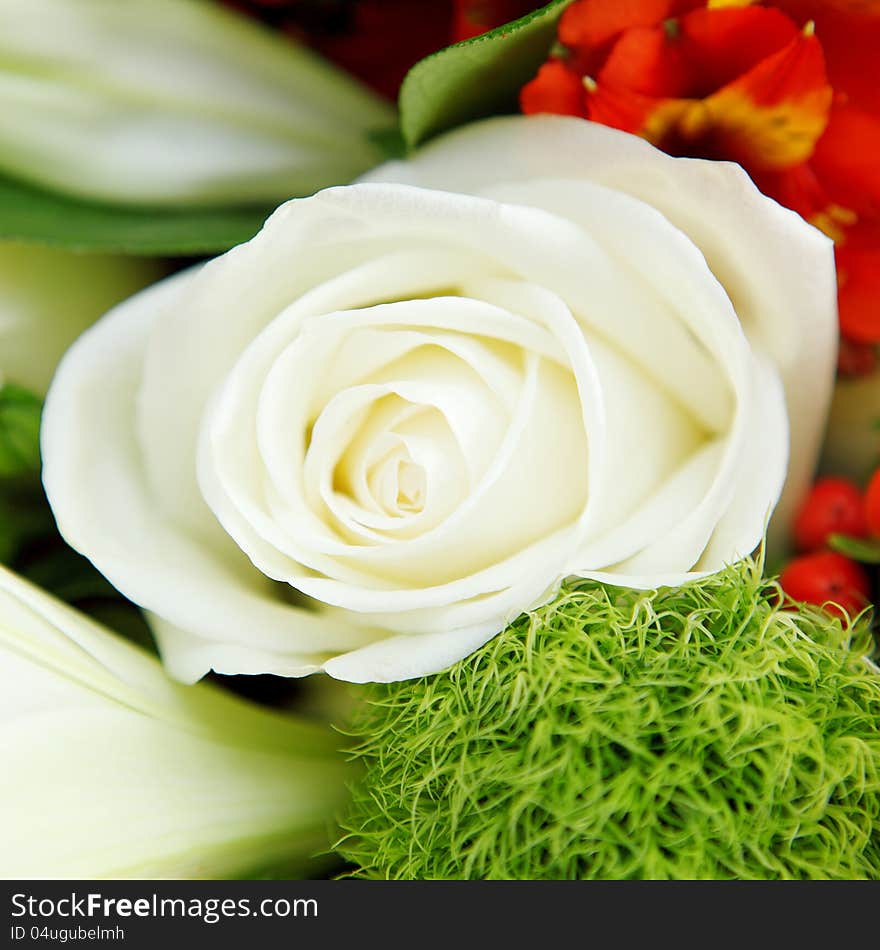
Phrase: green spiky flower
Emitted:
{"points": [[698, 732]]}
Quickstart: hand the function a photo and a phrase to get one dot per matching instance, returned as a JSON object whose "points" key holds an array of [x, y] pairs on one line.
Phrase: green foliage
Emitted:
{"points": [[24, 517], [389, 142], [42, 217], [20, 413], [29, 540], [859, 549], [23, 513], [477, 77], [691, 733]]}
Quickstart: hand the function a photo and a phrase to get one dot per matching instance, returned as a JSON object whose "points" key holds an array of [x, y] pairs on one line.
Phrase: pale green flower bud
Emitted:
{"points": [[110, 770], [49, 296], [173, 101]]}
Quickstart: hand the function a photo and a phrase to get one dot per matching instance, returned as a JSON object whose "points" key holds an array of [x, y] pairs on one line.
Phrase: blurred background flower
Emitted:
{"points": [[48, 296]]}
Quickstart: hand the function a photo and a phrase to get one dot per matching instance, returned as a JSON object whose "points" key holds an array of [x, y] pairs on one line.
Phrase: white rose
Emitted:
{"points": [[111, 770], [174, 101], [369, 438], [48, 296]]}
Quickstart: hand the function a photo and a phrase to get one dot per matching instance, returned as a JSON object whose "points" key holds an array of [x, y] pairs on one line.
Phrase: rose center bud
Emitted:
{"points": [[411, 486], [399, 484]]}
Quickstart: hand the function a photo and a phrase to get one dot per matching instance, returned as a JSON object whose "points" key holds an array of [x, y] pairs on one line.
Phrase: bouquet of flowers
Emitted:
{"points": [[439, 440]]}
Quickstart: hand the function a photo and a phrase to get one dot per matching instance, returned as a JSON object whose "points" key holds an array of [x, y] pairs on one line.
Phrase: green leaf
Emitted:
{"points": [[24, 514], [868, 552], [63, 572], [390, 143], [36, 216], [20, 412], [478, 77], [25, 517], [45, 560]]}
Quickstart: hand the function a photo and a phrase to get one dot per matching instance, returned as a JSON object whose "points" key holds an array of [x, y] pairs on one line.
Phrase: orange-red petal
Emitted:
{"points": [[847, 159], [849, 31], [768, 119], [695, 55], [593, 23], [645, 60], [772, 116], [723, 44], [632, 112], [858, 273], [555, 89]]}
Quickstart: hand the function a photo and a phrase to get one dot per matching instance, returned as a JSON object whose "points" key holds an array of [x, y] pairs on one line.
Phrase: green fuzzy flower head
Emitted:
{"points": [[696, 732]]}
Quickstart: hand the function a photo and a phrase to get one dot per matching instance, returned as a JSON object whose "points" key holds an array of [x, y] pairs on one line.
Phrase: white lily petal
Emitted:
{"points": [[90, 731], [173, 101]]}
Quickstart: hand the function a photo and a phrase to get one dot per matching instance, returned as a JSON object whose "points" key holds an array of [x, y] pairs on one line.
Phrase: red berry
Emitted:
{"points": [[826, 578], [833, 506], [872, 504]]}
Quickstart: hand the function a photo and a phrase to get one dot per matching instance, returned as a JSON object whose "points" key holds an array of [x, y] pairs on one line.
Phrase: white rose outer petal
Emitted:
{"points": [[422, 409]]}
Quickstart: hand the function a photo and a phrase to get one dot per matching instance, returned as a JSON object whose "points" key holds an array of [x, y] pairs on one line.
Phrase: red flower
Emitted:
{"points": [[789, 89]]}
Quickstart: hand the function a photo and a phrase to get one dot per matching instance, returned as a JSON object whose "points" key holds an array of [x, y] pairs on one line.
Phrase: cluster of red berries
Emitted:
{"points": [[838, 532]]}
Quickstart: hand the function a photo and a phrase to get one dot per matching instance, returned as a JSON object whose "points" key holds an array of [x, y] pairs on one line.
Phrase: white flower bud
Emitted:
{"points": [[110, 770], [173, 101]]}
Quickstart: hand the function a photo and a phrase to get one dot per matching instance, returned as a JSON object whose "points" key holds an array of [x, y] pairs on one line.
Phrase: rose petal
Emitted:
{"points": [[782, 286], [93, 475]]}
